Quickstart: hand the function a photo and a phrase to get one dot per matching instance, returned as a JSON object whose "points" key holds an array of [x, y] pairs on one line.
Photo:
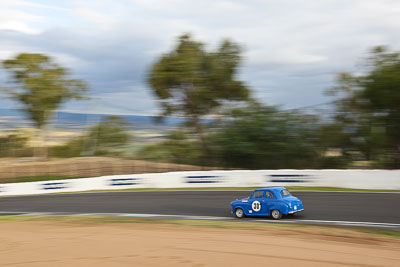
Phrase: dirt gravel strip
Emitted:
{"points": [[50, 242]]}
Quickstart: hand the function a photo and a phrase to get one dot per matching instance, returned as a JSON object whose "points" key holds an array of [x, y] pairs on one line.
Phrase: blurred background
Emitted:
{"points": [[91, 88]]}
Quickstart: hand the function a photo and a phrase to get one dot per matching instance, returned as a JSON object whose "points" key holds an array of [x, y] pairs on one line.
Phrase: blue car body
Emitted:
{"points": [[263, 201]]}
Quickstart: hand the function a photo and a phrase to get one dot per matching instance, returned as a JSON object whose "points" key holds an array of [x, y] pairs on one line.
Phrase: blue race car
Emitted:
{"points": [[268, 201]]}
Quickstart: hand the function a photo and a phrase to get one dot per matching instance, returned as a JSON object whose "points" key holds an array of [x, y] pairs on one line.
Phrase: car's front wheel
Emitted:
{"points": [[276, 214], [239, 213]]}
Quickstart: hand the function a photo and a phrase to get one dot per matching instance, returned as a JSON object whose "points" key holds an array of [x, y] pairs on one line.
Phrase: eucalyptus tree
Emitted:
{"points": [[192, 82], [40, 85]]}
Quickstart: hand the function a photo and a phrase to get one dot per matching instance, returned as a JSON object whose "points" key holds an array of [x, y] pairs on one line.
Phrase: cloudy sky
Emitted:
{"points": [[292, 48]]}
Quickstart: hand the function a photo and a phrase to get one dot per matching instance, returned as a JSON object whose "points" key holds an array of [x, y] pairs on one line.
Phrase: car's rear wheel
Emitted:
{"points": [[239, 213], [276, 214]]}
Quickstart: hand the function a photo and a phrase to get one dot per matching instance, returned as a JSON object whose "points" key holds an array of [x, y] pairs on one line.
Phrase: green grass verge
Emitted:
{"points": [[338, 189], [244, 189], [112, 219], [395, 234], [35, 179], [194, 223]]}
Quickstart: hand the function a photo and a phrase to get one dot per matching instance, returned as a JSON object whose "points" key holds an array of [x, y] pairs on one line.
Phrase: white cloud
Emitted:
{"points": [[98, 19], [283, 56], [9, 50], [15, 20], [289, 46], [21, 3]]}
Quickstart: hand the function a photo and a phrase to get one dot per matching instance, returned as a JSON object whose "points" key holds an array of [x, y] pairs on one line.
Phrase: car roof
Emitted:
{"points": [[272, 188]]}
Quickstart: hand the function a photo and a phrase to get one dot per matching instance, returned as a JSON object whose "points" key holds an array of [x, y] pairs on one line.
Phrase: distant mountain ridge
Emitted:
{"points": [[12, 118]]}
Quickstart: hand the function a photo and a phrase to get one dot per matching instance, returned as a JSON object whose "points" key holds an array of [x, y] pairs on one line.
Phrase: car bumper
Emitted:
{"points": [[294, 211]]}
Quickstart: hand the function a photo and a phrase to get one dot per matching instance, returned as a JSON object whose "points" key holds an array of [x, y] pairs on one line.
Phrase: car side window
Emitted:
{"points": [[269, 194], [258, 194]]}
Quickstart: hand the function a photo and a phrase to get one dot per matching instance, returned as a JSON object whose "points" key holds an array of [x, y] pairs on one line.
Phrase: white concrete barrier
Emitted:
{"points": [[359, 179]]}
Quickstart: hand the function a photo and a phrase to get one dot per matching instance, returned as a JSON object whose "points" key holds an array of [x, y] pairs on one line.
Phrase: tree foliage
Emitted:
{"points": [[192, 82], [256, 137], [103, 138], [41, 85], [110, 133], [262, 137], [177, 148], [369, 108], [10, 144]]}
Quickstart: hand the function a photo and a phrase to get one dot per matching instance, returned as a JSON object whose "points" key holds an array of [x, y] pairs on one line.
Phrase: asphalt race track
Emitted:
{"points": [[329, 206]]}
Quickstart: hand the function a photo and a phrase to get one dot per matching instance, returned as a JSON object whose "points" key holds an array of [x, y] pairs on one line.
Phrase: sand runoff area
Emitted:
{"points": [[83, 242]]}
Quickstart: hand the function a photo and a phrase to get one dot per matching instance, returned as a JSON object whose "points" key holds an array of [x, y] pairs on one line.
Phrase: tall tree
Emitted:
{"points": [[192, 82], [370, 106], [41, 86]]}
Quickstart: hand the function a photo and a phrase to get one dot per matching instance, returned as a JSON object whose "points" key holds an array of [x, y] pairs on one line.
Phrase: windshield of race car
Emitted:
{"points": [[285, 193]]}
